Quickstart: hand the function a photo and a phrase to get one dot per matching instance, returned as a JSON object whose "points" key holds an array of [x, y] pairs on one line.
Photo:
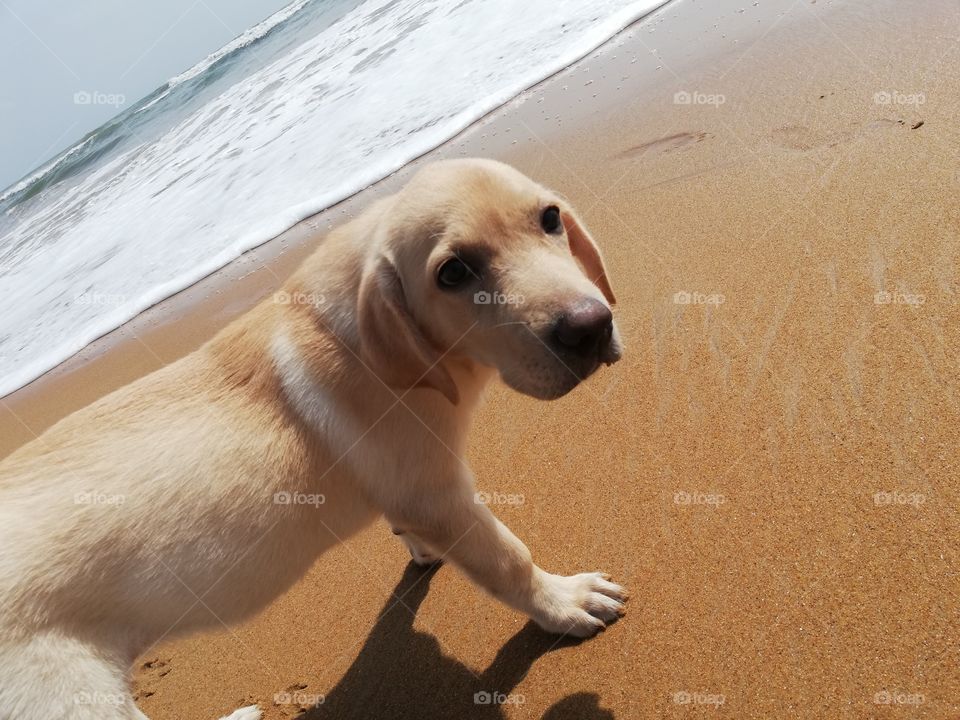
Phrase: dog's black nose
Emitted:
{"points": [[584, 326]]}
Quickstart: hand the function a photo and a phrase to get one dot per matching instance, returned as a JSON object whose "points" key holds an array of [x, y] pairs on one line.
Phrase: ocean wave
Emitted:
{"points": [[36, 178], [340, 108], [46, 175], [255, 33]]}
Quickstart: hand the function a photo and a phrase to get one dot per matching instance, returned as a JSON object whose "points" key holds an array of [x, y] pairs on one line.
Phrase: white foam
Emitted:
{"points": [[45, 168], [386, 83], [242, 40], [254, 33]]}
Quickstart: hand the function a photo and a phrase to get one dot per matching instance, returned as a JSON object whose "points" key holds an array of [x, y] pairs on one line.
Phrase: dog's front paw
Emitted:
{"points": [[423, 557], [578, 605], [421, 554]]}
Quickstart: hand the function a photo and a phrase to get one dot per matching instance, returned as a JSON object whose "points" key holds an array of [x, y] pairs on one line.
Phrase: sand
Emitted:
{"points": [[772, 468]]}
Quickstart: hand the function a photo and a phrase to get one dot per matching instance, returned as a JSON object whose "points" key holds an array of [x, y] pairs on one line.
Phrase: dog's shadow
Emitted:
{"points": [[402, 673]]}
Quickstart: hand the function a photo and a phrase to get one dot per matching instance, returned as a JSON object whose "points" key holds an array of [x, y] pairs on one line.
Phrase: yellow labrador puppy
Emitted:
{"points": [[201, 492]]}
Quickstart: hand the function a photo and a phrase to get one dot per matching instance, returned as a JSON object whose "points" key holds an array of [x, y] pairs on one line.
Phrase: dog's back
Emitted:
{"points": [[113, 537]]}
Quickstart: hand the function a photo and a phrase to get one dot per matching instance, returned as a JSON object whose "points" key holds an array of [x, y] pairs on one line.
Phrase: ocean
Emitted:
{"points": [[313, 104]]}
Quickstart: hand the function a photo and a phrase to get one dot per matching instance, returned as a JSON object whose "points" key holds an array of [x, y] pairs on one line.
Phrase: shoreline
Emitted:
{"points": [[153, 337], [597, 36], [769, 469]]}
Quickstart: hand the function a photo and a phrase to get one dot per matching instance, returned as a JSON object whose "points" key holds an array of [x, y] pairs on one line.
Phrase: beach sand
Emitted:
{"points": [[772, 468]]}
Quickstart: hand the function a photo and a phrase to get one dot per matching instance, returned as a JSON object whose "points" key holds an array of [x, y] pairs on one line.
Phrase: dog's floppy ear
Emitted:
{"points": [[585, 250], [391, 344]]}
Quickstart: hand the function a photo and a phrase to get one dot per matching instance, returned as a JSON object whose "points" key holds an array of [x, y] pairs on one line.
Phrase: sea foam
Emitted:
{"points": [[335, 111]]}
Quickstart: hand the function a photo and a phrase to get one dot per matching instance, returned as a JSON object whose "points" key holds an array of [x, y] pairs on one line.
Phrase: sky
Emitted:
{"points": [[57, 54]]}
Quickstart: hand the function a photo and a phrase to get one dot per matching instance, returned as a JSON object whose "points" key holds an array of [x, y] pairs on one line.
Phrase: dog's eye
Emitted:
{"points": [[550, 220], [452, 273]]}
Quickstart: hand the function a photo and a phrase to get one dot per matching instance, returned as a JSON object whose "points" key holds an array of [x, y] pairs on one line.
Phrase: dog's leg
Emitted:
{"points": [[422, 555], [50, 675], [467, 534]]}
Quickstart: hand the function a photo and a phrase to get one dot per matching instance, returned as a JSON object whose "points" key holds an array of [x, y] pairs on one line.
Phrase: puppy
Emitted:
{"points": [[197, 494]]}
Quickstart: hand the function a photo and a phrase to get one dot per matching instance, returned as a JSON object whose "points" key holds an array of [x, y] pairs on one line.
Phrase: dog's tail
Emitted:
{"points": [[250, 712]]}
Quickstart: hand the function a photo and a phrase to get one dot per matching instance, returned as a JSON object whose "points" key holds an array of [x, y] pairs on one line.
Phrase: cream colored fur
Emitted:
{"points": [[201, 492]]}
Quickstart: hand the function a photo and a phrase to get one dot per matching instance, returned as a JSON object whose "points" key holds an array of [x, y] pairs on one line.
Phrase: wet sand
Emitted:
{"points": [[772, 468]]}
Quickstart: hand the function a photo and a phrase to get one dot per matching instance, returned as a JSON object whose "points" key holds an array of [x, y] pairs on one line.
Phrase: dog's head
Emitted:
{"points": [[474, 259]]}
